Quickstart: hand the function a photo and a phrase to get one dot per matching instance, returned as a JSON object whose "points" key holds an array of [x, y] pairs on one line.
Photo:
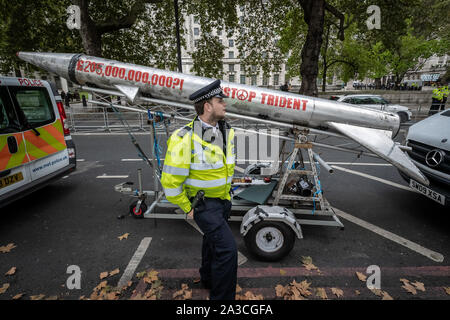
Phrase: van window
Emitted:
{"points": [[35, 104], [8, 118]]}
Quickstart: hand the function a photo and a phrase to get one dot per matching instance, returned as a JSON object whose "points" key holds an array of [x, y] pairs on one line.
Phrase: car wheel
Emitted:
{"points": [[270, 241]]}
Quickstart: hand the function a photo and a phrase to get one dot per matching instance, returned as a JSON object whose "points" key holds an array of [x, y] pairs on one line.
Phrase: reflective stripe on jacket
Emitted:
{"points": [[193, 163]]}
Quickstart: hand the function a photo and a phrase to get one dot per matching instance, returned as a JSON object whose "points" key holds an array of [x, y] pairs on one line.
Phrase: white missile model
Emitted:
{"points": [[372, 129]]}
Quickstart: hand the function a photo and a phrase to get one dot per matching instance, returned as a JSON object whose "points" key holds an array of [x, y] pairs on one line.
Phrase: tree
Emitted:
{"points": [[412, 52]]}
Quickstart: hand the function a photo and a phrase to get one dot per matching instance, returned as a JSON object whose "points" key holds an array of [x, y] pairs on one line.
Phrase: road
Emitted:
{"points": [[74, 222]]}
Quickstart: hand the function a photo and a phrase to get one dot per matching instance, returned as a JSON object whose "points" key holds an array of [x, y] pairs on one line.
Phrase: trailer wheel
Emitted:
{"points": [[269, 240], [138, 214]]}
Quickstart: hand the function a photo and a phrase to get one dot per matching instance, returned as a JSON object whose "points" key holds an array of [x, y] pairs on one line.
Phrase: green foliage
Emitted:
{"points": [[150, 41], [207, 58], [32, 26], [258, 37]]}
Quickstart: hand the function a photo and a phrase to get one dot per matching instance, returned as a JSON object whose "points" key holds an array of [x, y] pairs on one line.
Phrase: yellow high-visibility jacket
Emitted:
{"points": [[193, 163], [437, 94], [444, 91]]}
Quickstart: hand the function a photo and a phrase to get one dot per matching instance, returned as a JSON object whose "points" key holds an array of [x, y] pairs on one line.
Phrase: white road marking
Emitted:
{"points": [[435, 256], [134, 262], [111, 177], [80, 160], [393, 184], [241, 258]]}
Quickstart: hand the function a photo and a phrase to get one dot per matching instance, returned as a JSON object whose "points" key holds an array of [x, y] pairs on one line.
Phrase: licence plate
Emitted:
{"points": [[427, 192], [9, 180]]}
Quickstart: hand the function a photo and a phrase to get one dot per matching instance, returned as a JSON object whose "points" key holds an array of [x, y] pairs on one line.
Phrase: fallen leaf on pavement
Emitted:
{"points": [[282, 272], [114, 272], [307, 263], [152, 275], [386, 296], [419, 286], [7, 248], [338, 292], [141, 274], [383, 294], [11, 271], [52, 298], [408, 287], [302, 287], [183, 294], [405, 281], [37, 297], [249, 296], [124, 236], [4, 288], [125, 287], [18, 296], [447, 290], [357, 292], [321, 293], [101, 285], [361, 276], [279, 290], [238, 288], [103, 275]]}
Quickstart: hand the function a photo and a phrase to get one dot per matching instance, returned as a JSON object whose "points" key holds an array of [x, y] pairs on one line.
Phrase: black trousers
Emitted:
{"points": [[444, 100], [219, 251]]}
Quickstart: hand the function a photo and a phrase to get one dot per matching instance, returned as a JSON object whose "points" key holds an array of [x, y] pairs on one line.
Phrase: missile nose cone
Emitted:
{"points": [[57, 63]]}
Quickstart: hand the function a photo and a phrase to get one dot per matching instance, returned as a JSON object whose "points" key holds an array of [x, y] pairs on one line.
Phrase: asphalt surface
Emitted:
{"points": [[74, 221]]}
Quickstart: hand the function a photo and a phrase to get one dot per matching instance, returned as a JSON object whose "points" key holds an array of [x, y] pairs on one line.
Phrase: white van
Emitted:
{"points": [[35, 142]]}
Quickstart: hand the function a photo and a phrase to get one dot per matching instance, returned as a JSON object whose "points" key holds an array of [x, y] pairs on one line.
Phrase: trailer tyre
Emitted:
{"points": [[269, 240], [138, 214]]}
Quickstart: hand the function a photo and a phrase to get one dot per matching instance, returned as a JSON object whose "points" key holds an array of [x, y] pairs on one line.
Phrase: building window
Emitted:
{"points": [[265, 81], [253, 80], [231, 78], [196, 31], [219, 33], [231, 43], [242, 79], [276, 79], [231, 67], [195, 43], [231, 54], [196, 19]]}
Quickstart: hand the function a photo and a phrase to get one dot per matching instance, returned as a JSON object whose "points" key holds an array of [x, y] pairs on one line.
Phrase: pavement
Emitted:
{"points": [[391, 234]]}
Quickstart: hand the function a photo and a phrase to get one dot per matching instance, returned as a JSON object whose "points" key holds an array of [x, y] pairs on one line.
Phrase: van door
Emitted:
{"points": [[43, 133], [14, 171]]}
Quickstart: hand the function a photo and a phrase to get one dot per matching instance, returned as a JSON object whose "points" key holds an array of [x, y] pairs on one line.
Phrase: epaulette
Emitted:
{"points": [[183, 131]]}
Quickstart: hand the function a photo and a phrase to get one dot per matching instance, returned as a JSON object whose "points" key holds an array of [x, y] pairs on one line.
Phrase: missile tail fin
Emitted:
{"points": [[129, 91], [379, 142]]}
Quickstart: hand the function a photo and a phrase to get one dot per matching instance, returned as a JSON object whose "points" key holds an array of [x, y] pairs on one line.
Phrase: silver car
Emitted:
{"points": [[429, 141], [377, 102]]}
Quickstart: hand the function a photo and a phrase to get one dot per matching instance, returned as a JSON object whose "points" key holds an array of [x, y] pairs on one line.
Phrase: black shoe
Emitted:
{"points": [[206, 284]]}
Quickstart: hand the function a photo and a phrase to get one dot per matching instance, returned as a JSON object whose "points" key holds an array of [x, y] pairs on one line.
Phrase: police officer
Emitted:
{"points": [[201, 157], [436, 101], [444, 90]]}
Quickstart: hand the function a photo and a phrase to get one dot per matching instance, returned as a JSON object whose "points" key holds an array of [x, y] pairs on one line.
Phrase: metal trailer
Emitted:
{"points": [[270, 228]]}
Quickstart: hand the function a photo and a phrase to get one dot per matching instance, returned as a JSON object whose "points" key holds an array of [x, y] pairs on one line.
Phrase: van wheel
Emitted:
{"points": [[138, 214], [269, 240]]}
